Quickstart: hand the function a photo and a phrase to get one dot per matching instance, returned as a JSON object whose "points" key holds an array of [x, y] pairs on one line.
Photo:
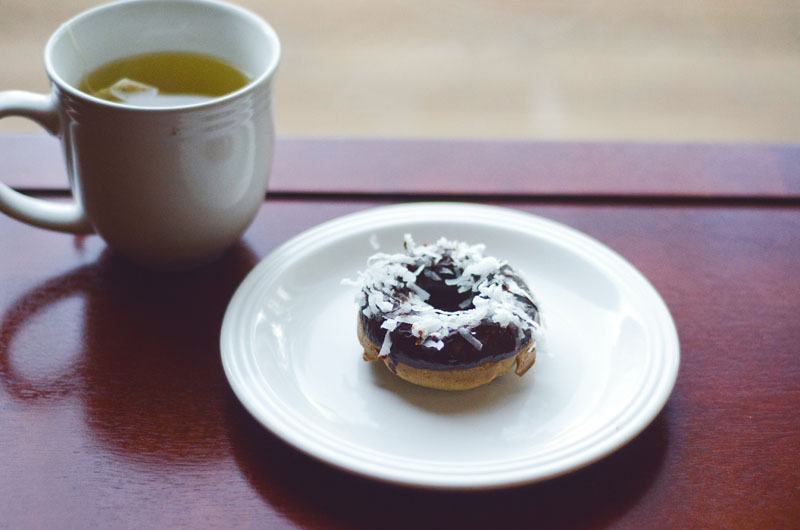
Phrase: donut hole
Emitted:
{"points": [[445, 297], [449, 299]]}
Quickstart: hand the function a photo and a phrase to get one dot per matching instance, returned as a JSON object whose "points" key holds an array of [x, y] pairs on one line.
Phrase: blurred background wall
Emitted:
{"points": [[702, 70]]}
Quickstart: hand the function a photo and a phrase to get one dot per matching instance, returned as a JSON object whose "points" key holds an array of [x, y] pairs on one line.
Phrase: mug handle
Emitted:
{"points": [[69, 217]]}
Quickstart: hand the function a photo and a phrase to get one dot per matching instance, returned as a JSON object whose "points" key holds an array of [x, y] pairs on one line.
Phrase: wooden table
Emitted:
{"points": [[115, 413]]}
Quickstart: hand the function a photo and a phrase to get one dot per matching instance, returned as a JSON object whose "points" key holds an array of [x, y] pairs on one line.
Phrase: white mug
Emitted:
{"points": [[169, 187]]}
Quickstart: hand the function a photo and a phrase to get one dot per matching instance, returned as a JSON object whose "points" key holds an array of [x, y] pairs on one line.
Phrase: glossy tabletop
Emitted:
{"points": [[115, 412]]}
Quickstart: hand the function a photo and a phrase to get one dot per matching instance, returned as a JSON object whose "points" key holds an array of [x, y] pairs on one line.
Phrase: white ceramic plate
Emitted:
{"points": [[290, 352]]}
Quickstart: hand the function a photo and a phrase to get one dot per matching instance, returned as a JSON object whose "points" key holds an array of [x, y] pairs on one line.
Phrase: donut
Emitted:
{"points": [[445, 316]]}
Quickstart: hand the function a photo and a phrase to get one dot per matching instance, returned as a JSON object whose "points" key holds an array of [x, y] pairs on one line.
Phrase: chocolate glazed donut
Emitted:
{"points": [[446, 316]]}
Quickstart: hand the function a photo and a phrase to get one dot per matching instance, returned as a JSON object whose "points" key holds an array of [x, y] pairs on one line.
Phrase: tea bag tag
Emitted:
{"points": [[127, 89]]}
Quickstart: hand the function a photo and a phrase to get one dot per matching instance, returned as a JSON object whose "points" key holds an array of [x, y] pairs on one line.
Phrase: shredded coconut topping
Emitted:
{"points": [[388, 290]]}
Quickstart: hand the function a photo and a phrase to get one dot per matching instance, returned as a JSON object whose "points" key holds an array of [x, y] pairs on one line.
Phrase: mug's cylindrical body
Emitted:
{"points": [[169, 187]]}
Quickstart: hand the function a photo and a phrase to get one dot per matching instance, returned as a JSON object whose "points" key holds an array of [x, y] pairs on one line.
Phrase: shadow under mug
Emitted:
{"points": [[169, 187]]}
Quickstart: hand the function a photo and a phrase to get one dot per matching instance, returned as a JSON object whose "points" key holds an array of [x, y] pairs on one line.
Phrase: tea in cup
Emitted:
{"points": [[163, 109]]}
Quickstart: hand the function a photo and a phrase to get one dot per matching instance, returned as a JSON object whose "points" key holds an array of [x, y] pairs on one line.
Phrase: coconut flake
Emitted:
{"points": [[502, 316], [469, 337], [389, 324], [426, 325], [465, 303], [386, 346], [436, 344], [422, 293], [373, 242], [432, 275], [483, 267]]}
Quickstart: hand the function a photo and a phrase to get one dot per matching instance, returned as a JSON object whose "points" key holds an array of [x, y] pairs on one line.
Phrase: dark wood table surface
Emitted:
{"points": [[115, 412]]}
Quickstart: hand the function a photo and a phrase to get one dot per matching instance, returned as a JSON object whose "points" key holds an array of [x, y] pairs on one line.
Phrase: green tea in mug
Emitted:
{"points": [[163, 79]]}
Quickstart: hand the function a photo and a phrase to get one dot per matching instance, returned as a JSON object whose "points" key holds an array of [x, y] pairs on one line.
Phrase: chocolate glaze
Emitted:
{"points": [[498, 342]]}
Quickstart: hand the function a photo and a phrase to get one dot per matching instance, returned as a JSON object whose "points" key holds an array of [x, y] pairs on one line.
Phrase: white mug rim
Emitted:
{"points": [[264, 76]]}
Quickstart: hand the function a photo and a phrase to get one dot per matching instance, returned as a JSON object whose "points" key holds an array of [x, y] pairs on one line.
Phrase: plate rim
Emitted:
{"points": [[648, 407]]}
